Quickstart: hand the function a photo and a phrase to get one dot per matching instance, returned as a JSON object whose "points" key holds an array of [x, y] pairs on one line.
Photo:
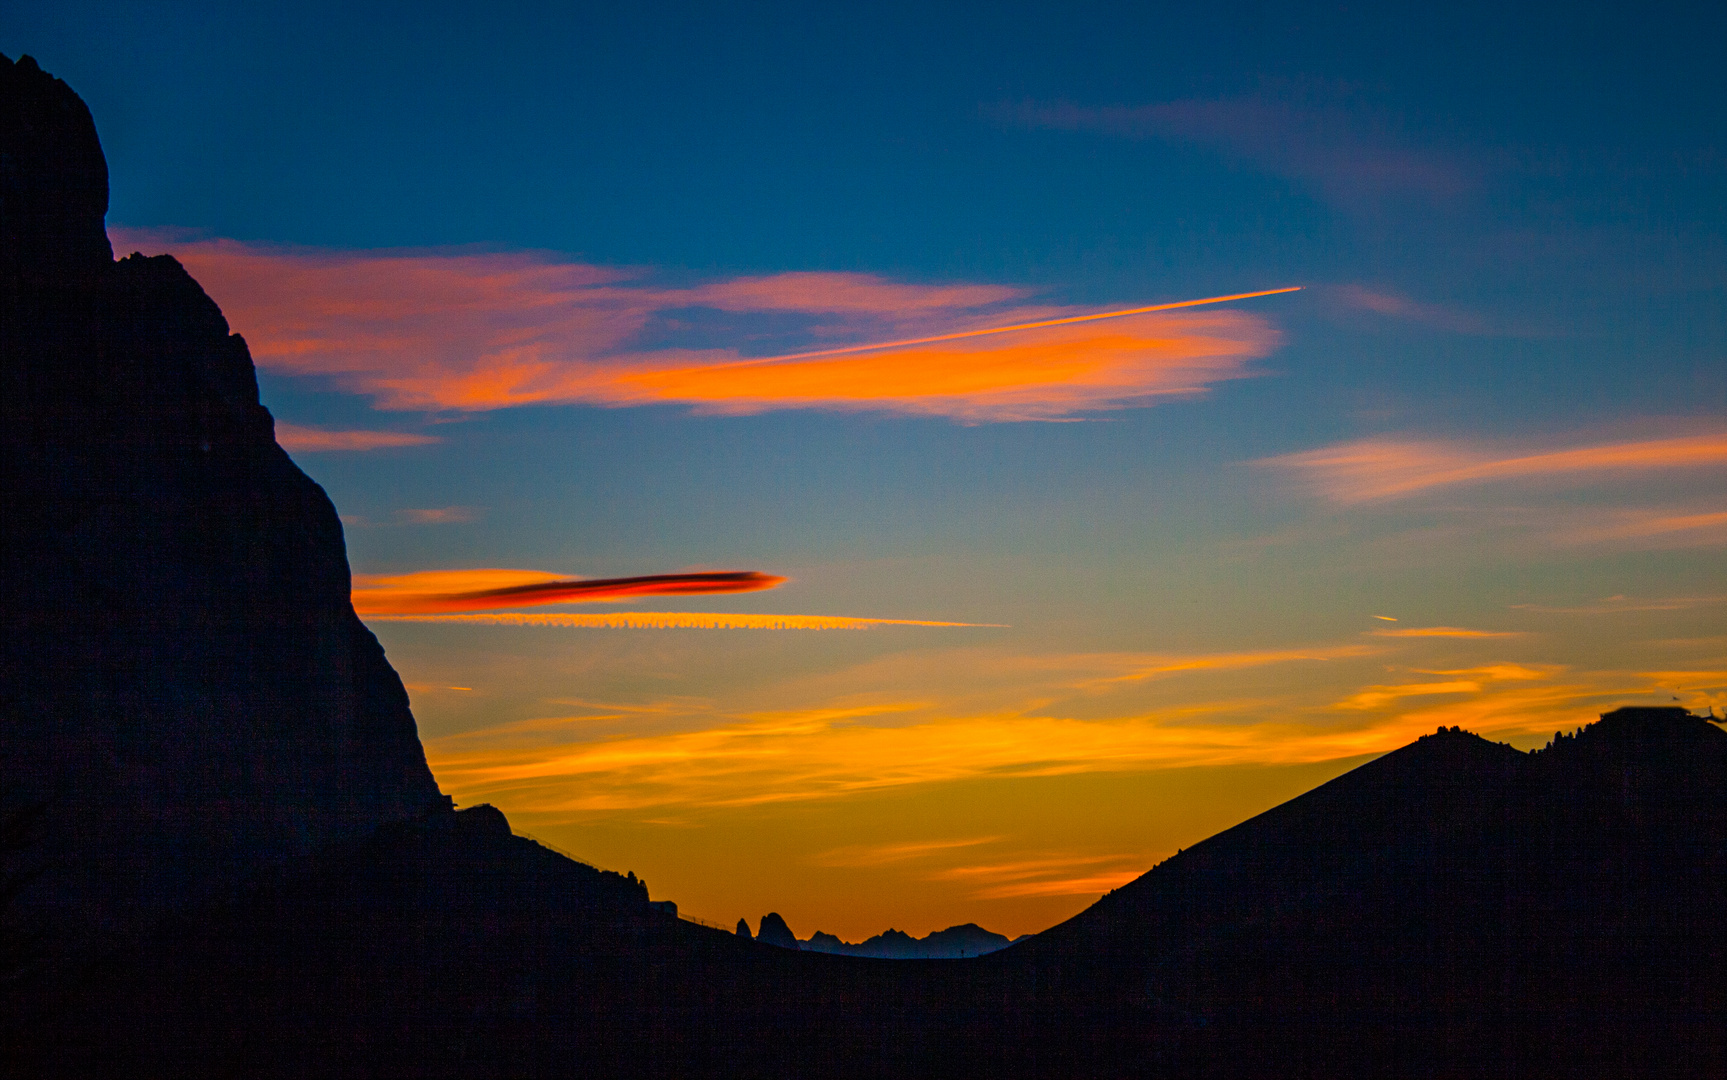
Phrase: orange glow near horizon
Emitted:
{"points": [[839, 752], [939, 728]]}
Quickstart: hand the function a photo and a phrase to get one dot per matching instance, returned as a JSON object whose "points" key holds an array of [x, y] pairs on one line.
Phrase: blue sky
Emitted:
{"points": [[529, 243]]}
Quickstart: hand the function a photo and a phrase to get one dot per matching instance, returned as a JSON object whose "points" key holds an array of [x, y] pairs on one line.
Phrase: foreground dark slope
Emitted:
{"points": [[234, 788], [1456, 907]]}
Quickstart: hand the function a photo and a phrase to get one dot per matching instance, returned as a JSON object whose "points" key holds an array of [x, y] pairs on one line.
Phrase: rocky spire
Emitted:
{"points": [[184, 680]]}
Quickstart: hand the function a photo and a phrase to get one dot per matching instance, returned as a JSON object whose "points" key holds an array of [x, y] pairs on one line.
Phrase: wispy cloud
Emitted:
{"points": [[473, 332], [294, 437], [438, 591], [1653, 528], [1613, 605], [828, 754], [1374, 696], [1397, 306], [1026, 716], [440, 515], [1505, 671], [1017, 870], [834, 753], [1084, 885], [1159, 667], [1443, 632], [1346, 153], [1381, 469], [1060, 875], [867, 855], [412, 516], [669, 620]]}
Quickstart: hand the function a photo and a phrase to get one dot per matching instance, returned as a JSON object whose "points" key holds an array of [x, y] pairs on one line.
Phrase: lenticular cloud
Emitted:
{"points": [[440, 591]]}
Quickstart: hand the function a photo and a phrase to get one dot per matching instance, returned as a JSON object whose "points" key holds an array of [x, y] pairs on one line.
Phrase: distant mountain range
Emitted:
{"points": [[954, 943], [225, 857]]}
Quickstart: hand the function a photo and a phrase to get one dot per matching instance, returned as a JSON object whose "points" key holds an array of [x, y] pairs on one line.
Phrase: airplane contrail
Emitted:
{"points": [[1007, 329]]}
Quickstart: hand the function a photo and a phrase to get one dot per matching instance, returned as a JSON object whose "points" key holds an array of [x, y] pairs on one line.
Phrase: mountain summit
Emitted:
{"points": [[186, 685], [1454, 908]]}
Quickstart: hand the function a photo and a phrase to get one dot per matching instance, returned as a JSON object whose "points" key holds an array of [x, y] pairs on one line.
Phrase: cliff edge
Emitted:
{"points": [[183, 680]]}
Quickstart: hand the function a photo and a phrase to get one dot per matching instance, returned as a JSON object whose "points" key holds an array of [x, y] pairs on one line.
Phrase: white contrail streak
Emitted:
{"points": [[1007, 329]]}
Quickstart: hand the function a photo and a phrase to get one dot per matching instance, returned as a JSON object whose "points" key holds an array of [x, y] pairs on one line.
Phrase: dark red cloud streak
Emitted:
{"points": [[552, 592]]}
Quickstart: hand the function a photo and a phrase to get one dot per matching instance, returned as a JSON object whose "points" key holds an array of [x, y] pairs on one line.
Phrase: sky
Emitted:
{"points": [[732, 467]]}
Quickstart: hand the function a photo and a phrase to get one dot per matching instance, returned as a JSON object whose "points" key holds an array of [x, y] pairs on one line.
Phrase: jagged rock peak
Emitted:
{"points": [[53, 177], [183, 680], [774, 931]]}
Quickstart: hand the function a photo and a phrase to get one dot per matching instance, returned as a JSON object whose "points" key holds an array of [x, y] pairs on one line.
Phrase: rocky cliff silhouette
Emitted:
{"points": [[185, 682]]}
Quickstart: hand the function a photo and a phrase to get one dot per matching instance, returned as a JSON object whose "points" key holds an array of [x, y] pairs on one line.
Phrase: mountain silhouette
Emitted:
{"points": [[956, 942], [226, 856], [181, 646], [774, 931], [1456, 907]]}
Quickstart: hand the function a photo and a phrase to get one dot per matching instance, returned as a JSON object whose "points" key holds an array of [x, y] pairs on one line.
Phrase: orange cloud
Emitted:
{"points": [[1376, 469], [700, 753], [834, 753], [1045, 876], [1089, 885], [1234, 661], [1375, 696], [305, 439], [1039, 374], [1505, 671], [441, 515], [1018, 870], [437, 591], [669, 620], [867, 855], [472, 332], [1662, 529]]}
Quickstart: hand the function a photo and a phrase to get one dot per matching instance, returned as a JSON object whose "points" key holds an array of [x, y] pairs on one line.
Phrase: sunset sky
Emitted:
{"points": [[638, 347]]}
